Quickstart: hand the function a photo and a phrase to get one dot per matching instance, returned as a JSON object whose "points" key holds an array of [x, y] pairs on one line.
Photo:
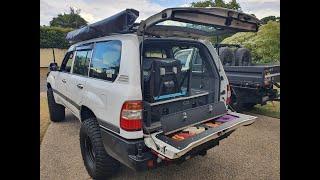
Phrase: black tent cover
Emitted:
{"points": [[119, 23]]}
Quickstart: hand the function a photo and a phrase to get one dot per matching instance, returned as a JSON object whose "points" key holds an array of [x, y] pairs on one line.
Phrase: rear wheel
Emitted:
{"points": [[56, 111], [96, 160]]}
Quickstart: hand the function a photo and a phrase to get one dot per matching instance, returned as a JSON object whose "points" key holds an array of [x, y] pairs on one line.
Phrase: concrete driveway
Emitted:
{"points": [[43, 79], [252, 152]]}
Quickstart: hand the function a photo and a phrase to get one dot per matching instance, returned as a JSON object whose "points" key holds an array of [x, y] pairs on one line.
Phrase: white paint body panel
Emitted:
{"points": [[106, 98]]}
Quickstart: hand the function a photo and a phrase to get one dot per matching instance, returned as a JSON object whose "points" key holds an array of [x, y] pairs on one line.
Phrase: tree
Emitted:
{"points": [[53, 37], [217, 3], [234, 5], [71, 20], [207, 3], [220, 3], [269, 18]]}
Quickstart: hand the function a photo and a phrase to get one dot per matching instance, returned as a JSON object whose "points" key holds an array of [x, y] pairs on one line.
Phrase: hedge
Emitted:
{"points": [[53, 37]]}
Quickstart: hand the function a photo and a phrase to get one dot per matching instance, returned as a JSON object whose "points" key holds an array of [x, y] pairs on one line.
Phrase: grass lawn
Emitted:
{"points": [[268, 109], [44, 117]]}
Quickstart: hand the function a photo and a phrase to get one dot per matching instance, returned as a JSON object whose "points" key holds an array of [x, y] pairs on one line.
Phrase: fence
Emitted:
{"points": [[46, 56]]}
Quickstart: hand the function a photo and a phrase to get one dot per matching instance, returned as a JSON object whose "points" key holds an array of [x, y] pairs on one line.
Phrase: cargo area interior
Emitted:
{"points": [[181, 89]]}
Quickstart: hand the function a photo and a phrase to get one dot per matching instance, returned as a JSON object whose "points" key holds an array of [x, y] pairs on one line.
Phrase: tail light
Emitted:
{"points": [[131, 116], [228, 94]]}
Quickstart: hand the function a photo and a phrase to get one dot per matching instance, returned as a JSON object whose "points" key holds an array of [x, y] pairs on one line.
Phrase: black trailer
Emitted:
{"points": [[253, 85]]}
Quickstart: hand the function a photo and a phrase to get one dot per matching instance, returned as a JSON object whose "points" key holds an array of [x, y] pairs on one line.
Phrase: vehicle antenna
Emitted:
{"points": [[54, 57]]}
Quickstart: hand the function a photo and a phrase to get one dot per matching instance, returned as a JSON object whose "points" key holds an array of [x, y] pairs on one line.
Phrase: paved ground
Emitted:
{"points": [[43, 78], [251, 152]]}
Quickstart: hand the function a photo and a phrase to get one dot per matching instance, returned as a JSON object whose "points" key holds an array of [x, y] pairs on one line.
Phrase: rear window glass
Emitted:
{"points": [[105, 63]]}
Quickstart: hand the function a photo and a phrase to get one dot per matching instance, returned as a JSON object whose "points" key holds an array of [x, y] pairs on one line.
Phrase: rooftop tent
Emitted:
{"points": [[119, 23]]}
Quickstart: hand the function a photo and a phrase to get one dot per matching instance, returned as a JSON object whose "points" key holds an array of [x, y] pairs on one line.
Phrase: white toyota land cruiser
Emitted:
{"points": [[138, 102]]}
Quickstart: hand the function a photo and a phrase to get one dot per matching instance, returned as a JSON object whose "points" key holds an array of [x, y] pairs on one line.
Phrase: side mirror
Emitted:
{"points": [[53, 67]]}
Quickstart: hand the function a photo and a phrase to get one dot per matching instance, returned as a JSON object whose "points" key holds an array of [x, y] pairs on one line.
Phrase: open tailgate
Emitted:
{"points": [[169, 148], [213, 17]]}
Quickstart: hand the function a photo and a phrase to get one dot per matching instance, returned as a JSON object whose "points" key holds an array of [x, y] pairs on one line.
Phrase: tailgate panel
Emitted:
{"points": [[174, 122], [220, 18]]}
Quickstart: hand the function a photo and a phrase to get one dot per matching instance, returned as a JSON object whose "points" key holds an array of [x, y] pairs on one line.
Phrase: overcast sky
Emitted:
{"points": [[94, 10]]}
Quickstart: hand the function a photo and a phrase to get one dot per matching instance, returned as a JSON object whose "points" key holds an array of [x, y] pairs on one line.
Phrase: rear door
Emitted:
{"points": [[77, 82], [219, 19], [170, 148]]}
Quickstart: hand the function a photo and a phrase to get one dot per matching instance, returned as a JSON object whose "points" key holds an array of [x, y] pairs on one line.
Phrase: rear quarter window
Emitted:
{"points": [[105, 63]]}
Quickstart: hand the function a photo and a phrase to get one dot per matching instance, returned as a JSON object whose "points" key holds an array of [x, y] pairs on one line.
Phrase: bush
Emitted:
{"points": [[264, 44], [53, 37]]}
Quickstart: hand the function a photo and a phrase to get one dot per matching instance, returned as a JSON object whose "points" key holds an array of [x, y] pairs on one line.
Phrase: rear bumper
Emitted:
{"points": [[132, 153], [126, 151]]}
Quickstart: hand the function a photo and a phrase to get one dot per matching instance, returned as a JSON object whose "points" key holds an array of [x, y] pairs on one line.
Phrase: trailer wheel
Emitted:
{"points": [[243, 57], [227, 56], [238, 106], [247, 106]]}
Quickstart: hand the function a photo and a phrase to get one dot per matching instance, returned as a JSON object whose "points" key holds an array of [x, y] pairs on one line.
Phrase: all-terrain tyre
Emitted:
{"points": [[56, 111], [243, 57], [239, 106], [226, 56], [96, 160]]}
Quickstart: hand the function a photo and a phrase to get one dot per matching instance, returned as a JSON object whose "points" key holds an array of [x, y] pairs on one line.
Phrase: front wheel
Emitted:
{"points": [[56, 111], [96, 160]]}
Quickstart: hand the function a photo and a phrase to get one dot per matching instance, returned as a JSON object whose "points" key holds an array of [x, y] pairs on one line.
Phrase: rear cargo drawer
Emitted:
{"points": [[175, 121], [171, 147]]}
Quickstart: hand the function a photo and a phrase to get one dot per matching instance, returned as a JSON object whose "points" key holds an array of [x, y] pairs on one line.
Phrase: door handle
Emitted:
{"points": [[80, 86], [64, 81]]}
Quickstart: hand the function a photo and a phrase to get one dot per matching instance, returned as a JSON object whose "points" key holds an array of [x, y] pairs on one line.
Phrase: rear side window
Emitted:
{"points": [[105, 63], [81, 62]]}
